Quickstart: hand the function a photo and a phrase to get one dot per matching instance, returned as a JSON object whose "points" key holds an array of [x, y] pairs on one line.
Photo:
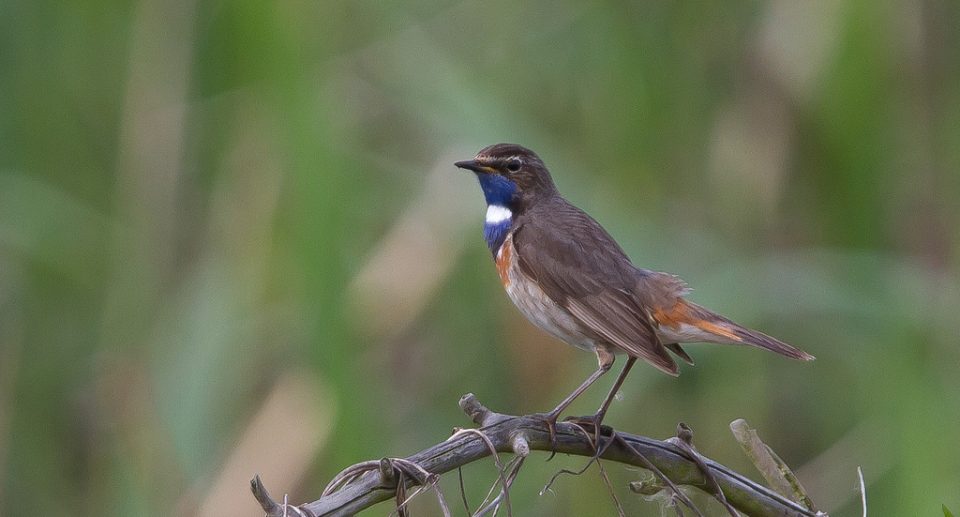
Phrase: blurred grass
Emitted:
{"points": [[197, 200]]}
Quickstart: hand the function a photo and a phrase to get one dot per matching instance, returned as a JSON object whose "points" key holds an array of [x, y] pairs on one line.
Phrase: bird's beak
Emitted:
{"points": [[474, 166]]}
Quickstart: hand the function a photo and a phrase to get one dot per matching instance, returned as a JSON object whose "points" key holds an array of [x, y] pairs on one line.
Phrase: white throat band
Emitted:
{"points": [[498, 214]]}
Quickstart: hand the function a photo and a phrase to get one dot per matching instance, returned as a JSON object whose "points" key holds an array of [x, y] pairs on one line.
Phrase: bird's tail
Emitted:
{"points": [[726, 331], [761, 340]]}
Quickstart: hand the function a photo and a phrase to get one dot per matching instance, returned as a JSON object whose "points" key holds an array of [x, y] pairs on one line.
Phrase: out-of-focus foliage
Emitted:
{"points": [[217, 216]]}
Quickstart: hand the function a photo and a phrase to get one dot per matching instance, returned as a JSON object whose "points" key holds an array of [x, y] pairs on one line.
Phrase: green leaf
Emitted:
{"points": [[946, 511]]}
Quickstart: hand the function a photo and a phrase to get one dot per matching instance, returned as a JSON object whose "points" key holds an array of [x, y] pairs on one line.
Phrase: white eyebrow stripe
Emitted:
{"points": [[498, 214]]}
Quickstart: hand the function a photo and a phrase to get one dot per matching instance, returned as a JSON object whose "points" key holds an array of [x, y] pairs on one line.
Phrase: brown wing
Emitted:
{"points": [[580, 267]]}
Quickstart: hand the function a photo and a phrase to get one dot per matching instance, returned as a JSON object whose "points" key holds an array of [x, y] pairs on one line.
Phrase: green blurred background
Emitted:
{"points": [[232, 239]]}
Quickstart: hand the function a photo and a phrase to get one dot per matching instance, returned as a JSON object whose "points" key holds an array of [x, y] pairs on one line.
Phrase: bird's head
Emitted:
{"points": [[510, 175]]}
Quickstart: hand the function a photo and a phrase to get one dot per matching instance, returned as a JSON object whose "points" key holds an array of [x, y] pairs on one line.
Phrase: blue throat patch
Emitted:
{"points": [[498, 191], [495, 234]]}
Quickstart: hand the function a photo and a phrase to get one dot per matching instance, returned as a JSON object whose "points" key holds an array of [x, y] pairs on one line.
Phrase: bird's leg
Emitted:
{"points": [[597, 419], [605, 360]]}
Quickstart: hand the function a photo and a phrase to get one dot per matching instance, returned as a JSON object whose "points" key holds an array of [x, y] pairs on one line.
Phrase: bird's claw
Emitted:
{"points": [[593, 425], [550, 419]]}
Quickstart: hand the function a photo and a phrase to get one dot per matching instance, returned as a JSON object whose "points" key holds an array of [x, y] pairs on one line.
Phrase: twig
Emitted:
{"points": [[496, 459], [463, 491], [863, 491], [610, 490], [369, 486], [771, 467], [684, 440], [514, 465], [649, 465]]}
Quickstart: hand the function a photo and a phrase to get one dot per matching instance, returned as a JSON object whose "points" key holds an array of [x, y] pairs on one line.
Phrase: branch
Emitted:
{"points": [[368, 483]]}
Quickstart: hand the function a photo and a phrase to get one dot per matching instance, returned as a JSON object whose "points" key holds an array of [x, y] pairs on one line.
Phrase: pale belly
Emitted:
{"points": [[536, 305]]}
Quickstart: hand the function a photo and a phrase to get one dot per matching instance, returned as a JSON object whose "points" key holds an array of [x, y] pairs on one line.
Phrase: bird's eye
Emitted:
{"points": [[513, 164]]}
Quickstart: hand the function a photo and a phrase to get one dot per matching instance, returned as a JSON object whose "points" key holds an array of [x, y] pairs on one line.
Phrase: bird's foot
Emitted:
{"points": [[550, 419], [593, 425]]}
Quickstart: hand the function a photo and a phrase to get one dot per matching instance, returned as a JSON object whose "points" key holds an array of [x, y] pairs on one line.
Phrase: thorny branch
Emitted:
{"points": [[365, 484]]}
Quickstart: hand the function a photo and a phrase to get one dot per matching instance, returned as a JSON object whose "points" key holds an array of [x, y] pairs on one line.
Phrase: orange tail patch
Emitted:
{"points": [[716, 329], [683, 314]]}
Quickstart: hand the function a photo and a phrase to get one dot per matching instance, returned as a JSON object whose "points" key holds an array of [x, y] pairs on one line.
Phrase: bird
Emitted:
{"points": [[569, 277]]}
